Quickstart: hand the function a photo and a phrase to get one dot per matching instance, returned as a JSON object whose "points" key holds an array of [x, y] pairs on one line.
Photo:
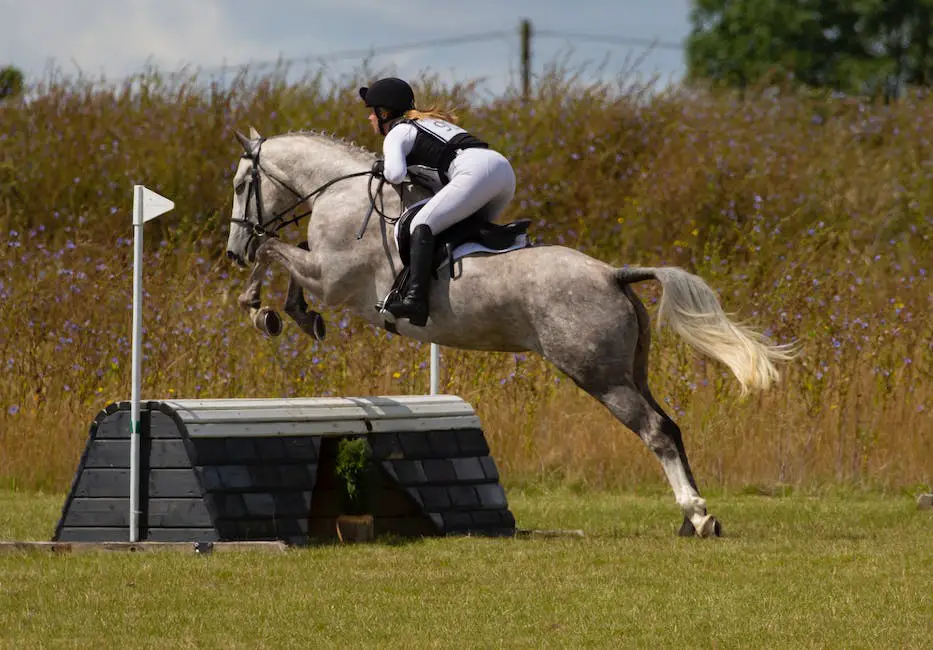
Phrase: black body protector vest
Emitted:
{"points": [[436, 144]]}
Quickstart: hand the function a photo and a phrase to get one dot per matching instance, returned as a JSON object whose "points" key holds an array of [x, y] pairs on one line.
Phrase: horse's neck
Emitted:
{"points": [[316, 159], [313, 161]]}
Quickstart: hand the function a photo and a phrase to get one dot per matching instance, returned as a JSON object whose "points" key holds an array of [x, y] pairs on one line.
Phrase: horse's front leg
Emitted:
{"points": [[263, 318], [303, 273], [310, 321]]}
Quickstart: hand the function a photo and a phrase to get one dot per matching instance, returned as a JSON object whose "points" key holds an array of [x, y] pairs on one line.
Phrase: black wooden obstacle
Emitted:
{"points": [[263, 469]]}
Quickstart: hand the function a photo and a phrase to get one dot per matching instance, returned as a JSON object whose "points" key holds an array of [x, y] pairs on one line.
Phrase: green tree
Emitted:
{"points": [[11, 82], [851, 45], [902, 33]]}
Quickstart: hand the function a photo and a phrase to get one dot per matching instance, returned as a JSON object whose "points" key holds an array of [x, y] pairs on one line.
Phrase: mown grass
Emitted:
{"points": [[840, 570], [810, 215]]}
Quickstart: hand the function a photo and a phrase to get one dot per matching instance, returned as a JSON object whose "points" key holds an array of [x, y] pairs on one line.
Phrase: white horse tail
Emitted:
{"points": [[690, 307]]}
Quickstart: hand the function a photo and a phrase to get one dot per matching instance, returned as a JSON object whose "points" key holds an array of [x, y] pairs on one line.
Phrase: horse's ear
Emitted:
{"points": [[253, 133], [244, 141]]}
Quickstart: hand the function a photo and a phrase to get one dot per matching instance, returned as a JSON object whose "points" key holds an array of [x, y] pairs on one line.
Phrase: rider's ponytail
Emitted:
{"points": [[433, 111]]}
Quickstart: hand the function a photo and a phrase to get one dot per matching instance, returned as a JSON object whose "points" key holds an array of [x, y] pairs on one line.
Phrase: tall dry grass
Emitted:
{"points": [[811, 216]]}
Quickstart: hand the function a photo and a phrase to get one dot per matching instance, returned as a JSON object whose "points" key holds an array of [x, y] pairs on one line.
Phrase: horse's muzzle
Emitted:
{"points": [[236, 259]]}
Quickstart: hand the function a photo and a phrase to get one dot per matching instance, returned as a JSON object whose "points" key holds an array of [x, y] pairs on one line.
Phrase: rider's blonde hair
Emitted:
{"points": [[433, 111]]}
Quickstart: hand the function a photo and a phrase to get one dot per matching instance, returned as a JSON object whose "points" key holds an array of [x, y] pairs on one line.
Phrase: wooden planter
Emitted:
{"points": [[355, 528]]}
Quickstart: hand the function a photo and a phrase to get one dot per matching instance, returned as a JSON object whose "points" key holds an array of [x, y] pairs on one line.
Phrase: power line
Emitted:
{"points": [[358, 53], [370, 51], [612, 40]]}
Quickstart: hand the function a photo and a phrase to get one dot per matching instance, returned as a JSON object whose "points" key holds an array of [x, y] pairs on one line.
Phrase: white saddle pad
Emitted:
{"points": [[472, 248]]}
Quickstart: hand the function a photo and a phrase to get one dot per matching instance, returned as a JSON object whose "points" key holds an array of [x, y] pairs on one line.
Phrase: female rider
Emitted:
{"points": [[472, 177]]}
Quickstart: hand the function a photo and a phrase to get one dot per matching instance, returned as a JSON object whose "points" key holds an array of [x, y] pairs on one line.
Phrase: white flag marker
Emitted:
{"points": [[151, 205], [147, 205]]}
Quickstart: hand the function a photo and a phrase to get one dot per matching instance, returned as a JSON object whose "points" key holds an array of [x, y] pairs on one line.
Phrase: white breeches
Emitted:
{"points": [[481, 180]]}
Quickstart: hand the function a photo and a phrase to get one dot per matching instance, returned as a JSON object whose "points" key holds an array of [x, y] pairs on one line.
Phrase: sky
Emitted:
{"points": [[117, 38]]}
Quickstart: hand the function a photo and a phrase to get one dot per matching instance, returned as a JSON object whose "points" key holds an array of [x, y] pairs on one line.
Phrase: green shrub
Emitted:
{"points": [[355, 469], [11, 82]]}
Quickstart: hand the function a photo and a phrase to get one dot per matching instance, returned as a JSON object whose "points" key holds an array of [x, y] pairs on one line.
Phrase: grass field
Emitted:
{"points": [[842, 570]]}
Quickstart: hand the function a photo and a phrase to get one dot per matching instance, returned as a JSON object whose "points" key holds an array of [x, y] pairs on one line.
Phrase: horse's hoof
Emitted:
{"points": [[686, 529], [267, 321], [317, 327], [709, 527]]}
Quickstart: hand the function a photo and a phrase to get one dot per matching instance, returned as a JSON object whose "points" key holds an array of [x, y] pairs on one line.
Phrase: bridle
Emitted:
{"points": [[270, 228]]}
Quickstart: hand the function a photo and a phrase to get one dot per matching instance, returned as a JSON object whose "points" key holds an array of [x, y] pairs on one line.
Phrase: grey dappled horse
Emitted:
{"points": [[576, 311]]}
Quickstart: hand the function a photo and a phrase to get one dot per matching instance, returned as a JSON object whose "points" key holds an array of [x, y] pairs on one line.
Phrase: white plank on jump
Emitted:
{"points": [[282, 414], [411, 401], [254, 402], [320, 409], [209, 418]]}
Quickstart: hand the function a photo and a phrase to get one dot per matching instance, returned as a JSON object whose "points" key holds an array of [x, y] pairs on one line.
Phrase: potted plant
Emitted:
{"points": [[355, 470]]}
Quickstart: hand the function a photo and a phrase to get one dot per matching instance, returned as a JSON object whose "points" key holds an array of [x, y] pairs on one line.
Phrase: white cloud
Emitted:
{"points": [[117, 38]]}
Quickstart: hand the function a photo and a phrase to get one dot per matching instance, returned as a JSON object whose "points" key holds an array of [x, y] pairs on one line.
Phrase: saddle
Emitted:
{"points": [[474, 234], [472, 230]]}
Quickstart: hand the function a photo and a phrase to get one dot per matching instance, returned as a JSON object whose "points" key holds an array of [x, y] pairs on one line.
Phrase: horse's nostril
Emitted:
{"points": [[236, 259]]}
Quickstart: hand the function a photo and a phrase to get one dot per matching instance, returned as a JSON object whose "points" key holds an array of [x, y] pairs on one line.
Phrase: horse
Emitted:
{"points": [[579, 313]]}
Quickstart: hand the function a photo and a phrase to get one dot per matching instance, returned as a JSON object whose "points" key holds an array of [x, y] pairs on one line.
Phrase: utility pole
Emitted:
{"points": [[525, 31]]}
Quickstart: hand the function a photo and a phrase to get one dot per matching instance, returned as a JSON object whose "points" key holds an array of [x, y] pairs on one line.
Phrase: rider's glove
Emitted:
{"points": [[379, 168]]}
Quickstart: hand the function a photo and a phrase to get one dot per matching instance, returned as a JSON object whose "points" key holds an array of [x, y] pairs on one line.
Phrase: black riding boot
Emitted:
{"points": [[414, 304]]}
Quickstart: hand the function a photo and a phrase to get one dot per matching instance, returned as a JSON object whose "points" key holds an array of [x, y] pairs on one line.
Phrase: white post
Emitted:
{"points": [[146, 205], [137, 359], [435, 360]]}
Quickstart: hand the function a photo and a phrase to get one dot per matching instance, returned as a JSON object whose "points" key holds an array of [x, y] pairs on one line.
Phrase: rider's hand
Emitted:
{"points": [[379, 168]]}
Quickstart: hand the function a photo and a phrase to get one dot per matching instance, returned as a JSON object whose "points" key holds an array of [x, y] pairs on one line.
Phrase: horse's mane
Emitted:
{"points": [[348, 145]]}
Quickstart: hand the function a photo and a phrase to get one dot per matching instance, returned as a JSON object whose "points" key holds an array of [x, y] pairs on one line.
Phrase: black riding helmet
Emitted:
{"points": [[392, 94]]}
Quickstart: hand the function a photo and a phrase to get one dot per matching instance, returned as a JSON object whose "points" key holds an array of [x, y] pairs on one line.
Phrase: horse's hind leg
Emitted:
{"points": [[687, 528], [663, 437], [640, 379]]}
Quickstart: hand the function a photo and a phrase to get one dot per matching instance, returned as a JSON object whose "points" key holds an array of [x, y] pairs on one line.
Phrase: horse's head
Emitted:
{"points": [[260, 196]]}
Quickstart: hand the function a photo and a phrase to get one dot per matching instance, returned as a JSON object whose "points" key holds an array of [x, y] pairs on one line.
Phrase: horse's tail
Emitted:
{"points": [[690, 307]]}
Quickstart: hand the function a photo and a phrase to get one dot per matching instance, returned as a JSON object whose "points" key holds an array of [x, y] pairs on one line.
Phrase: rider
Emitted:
{"points": [[472, 177]]}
